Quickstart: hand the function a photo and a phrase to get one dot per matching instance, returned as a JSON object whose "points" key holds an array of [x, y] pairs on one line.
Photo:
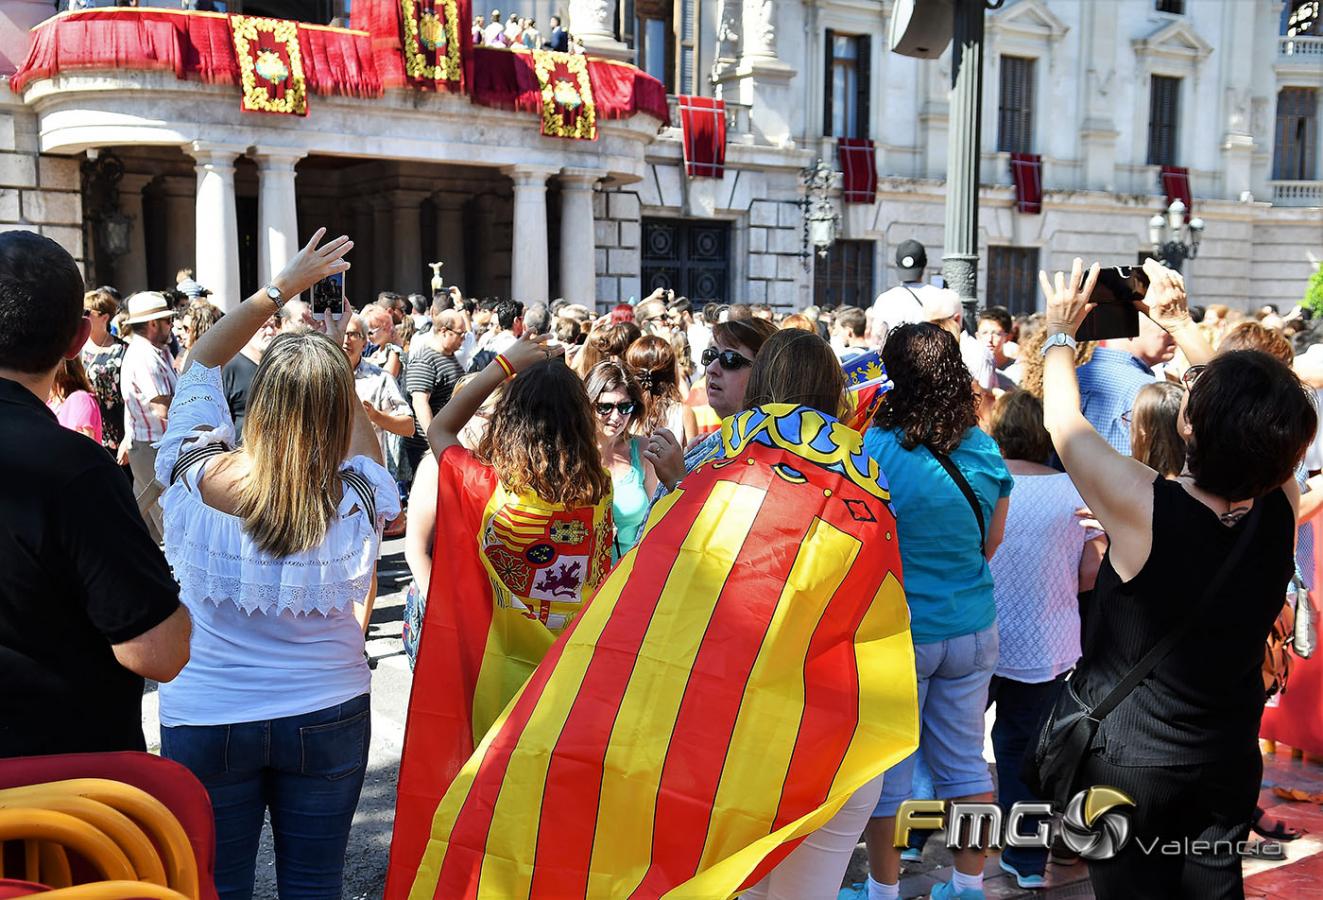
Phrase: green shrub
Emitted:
{"points": [[1314, 293]]}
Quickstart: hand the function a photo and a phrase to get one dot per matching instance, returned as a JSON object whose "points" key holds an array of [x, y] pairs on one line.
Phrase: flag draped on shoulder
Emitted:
{"points": [[510, 572], [743, 671]]}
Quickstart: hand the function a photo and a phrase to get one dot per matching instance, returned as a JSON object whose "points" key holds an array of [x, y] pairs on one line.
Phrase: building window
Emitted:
{"points": [[1015, 110], [1013, 279], [845, 277], [1296, 152], [846, 102], [1163, 109], [1302, 18], [1176, 7], [691, 258]]}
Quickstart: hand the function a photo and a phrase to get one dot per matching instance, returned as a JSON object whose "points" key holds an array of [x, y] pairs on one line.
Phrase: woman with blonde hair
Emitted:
{"points": [[273, 544], [651, 360]]}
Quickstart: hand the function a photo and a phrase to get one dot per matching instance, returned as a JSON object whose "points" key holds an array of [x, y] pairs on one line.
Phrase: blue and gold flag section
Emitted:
{"points": [[435, 35], [743, 671], [270, 65], [867, 381]]}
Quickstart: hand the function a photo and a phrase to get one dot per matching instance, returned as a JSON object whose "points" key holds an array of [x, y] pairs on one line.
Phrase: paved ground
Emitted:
{"points": [[1299, 876]]}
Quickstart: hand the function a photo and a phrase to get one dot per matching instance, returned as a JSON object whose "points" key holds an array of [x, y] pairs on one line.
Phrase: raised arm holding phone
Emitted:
{"points": [[1192, 582]]}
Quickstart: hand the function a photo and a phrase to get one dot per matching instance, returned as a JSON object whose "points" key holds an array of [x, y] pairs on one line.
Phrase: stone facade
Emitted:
{"points": [[38, 192]]}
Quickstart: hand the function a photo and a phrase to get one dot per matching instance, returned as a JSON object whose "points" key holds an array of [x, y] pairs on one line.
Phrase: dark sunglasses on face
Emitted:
{"points": [[729, 359], [624, 407]]}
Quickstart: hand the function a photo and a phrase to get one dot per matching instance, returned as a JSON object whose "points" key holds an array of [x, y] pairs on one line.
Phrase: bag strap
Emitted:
{"points": [[363, 489], [1159, 650], [961, 482]]}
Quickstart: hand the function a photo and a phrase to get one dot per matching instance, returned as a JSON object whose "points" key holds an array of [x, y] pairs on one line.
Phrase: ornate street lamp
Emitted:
{"points": [[1174, 240], [820, 217]]}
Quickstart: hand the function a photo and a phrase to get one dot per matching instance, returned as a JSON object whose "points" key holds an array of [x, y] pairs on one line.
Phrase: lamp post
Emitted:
{"points": [[820, 217], [1174, 240]]}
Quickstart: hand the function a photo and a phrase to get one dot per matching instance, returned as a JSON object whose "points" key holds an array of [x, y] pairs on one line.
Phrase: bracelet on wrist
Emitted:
{"points": [[504, 363]]}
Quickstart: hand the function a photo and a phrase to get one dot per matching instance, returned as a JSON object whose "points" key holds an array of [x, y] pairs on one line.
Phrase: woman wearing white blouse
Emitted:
{"points": [[273, 544]]}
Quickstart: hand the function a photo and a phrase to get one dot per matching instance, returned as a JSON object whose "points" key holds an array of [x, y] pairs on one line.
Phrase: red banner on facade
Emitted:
{"points": [[270, 65], [432, 41], [568, 107], [1027, 170]]}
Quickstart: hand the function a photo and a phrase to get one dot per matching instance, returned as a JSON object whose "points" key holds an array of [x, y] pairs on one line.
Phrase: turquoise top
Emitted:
{"points": [[629, 505], [948, 584]]}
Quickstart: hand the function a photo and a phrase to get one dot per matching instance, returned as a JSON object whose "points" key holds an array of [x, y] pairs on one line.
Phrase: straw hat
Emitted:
{"points": [[147, 305]]}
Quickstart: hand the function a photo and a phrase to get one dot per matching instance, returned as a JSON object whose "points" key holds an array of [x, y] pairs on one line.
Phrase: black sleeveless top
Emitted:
{"points": [[1203, 702]]}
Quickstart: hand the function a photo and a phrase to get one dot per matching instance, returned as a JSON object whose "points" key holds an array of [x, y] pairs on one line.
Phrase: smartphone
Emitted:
{"points": [[329, 293], [1115, 316]]}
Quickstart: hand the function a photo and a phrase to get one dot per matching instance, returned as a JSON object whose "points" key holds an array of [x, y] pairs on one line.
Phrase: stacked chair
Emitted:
{"points": [[104, 826]]}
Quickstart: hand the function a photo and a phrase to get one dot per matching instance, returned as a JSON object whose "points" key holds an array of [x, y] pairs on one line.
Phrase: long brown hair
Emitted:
{"points": [[1017, 427], [296, 436], [70, 377], [1155, 439], [543, 438], [651, 359], [797, 367]]}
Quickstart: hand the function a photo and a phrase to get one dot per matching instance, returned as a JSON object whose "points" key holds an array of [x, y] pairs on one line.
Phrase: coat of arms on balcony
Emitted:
{"points": [[270, 65], [433, 55], [568, 108]]}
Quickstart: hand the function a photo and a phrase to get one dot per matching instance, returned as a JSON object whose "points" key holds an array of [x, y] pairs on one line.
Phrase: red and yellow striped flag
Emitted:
{"points": [[741, 673], [510, 572]]}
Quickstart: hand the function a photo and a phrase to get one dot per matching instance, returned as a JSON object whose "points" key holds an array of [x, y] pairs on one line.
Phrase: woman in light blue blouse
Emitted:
{"points": [[940, 467]]}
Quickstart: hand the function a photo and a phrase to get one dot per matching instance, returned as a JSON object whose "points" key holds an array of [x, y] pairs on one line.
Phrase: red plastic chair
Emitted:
{"points": [[171, 783]]}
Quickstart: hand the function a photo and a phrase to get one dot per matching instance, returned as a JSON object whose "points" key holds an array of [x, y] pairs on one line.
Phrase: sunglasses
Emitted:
{"points": [[730, 360], [1191, 376], [354, 334], [624, 407]]}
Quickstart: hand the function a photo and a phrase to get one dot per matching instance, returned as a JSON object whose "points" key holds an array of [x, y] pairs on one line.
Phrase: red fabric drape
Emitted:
{"points": [[504, 79], [703, 124], [1027, 170], [859, 163], [1176, 185], [1293, 718], [192, 45], [622, 91]]}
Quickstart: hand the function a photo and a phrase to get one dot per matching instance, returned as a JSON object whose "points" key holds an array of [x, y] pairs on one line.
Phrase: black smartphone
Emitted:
{"points": [[1115, 316], [329, 293]]}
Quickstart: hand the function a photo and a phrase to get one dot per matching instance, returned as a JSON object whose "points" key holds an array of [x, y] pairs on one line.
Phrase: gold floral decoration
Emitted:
{"points": [[263, 71], [430, 33], [568, 108]]}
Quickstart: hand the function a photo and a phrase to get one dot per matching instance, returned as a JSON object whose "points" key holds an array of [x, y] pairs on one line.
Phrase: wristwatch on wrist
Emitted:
{"points": [[274, 294], [1059, 339]]}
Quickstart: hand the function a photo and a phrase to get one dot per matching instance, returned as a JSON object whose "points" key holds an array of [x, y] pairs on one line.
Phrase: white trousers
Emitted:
{"points": [[815, 869]]}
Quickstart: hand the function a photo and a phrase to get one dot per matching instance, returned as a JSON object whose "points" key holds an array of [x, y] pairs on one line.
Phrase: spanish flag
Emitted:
{"points": [[743, 671], [510, 573]]}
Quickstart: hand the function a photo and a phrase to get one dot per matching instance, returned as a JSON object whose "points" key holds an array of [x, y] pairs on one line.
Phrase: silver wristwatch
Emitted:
{"points": [[273, 292], [1059, 339]]}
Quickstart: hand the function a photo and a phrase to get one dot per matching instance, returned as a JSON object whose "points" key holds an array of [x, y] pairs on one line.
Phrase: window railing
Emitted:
{"points": [[1297, 193], [1303, 48], [737, 115]]}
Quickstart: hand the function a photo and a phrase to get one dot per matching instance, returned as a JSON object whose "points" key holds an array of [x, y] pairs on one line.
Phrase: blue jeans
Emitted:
{"points": [[1020, 708], [307, 769]]}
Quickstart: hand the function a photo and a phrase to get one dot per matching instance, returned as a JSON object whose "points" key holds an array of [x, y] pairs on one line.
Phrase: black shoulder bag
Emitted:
{"points": [[961, 482], [1066, 734]]}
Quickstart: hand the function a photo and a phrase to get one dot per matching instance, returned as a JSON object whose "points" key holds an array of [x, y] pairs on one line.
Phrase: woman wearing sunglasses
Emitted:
{"points": [[726, 363], [1197, 568], [617, 402]]}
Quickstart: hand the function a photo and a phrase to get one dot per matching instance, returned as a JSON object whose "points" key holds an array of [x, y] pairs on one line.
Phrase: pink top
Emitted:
{"points": [[78, 411]]}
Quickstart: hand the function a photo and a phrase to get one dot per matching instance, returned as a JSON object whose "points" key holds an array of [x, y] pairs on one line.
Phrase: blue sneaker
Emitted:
{"points": [[857, 891], [944, 891], [1028, 882], [911, 855]]}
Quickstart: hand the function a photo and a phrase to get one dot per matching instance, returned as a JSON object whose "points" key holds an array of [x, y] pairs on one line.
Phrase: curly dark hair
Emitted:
{"points": [[933, 399], [543, 438]]}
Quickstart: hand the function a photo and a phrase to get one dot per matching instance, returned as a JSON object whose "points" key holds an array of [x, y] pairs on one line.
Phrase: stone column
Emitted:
{"points": [[578, 257], [277, 213], [131, 268], [762, 80], [528, 263], [180, 199], [217, 230], [1100, 82], [411, 276], [383, 230], [1237, 62], [450, 239], [593, 22]]}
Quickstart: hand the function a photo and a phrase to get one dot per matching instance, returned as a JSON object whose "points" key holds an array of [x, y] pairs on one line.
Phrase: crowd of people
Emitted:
{"points": [[1050, 496]]}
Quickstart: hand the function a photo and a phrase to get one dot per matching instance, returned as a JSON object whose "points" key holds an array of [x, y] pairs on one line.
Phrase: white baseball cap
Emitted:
{"points": [[147, 305]]}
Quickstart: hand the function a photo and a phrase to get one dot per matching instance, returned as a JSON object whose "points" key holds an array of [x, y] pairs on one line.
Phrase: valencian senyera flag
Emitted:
{"points": [[867, 381], [510, 573], [742, 672]]}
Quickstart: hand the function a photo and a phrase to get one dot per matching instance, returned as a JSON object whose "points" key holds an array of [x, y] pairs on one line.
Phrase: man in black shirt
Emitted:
{"points": [[431, 377], [87, 604]]}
